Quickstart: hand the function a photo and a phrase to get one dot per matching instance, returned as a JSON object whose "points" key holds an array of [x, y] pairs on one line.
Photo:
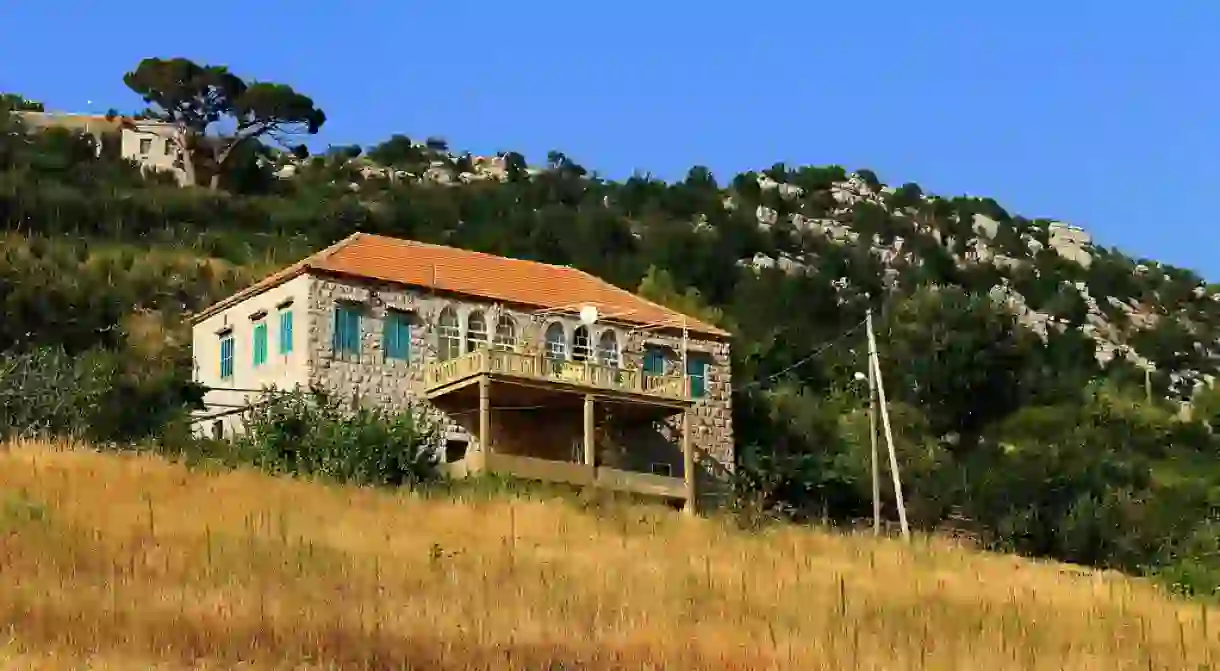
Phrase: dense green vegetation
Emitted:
{"points": [[1029, 444]]}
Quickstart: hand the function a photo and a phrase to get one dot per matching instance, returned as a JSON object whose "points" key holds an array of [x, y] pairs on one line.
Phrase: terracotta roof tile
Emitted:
{"points": [[461, 271]]}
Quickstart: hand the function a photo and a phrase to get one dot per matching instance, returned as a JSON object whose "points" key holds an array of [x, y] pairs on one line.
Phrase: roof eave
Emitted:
{"points": [[248, 293]]}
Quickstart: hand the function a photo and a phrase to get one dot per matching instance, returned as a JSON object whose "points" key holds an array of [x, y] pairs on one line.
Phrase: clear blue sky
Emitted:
{"points": [[1102, 114]]}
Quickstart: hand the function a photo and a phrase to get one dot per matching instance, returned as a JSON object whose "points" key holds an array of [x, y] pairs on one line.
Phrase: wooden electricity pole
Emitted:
{"points": [[875, 370], [872, 439]]}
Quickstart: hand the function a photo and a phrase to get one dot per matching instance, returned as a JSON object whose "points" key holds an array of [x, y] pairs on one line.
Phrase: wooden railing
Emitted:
{"points": [[539, 367], [545, 470]]}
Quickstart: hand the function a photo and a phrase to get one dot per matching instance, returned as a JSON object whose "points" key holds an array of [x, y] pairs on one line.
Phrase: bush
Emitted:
{"points": [[312, 433], [46, 391]]}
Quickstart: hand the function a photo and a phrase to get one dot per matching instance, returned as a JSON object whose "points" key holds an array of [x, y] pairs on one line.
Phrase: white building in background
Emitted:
{"points": [[149, 143]]}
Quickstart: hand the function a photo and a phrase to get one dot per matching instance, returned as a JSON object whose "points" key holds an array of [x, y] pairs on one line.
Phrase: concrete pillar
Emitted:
{"points": [[484, 421], [590, 448], [688, 466]]}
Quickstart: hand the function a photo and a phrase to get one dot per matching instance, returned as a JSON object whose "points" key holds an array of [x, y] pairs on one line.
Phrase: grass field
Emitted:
{"points": [[125, 562]]}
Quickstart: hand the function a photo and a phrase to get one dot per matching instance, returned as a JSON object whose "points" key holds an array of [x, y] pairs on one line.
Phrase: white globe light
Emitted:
{"points": [[859, 376], [588, 314]]}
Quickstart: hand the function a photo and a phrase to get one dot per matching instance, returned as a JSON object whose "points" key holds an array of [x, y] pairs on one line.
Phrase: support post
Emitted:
{"points": [[484, 421], [590, 447], [872, 439], [875, 363], [688, 467]]}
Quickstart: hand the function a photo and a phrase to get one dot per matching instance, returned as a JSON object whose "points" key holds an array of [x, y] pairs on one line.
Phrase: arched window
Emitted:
{"points": [[607, 349], [506, 333], [476, 330], [448, 335], [556, 344], [582, 345]]}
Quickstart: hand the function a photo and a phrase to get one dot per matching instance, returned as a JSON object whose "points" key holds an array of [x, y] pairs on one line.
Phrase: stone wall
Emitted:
{"points": [[397, 384]]}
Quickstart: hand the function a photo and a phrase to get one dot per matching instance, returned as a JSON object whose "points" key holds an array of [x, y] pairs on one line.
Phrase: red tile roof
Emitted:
{"points": [[460, 271]]}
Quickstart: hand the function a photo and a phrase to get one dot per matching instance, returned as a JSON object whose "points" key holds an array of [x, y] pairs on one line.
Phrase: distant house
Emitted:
{"points": [[542, 371], [149, 143]]}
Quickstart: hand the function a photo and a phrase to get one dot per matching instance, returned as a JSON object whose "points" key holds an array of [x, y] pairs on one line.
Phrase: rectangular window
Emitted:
{"points": [[285, 331], [346, 329], [145, 146], [696, 370], [226, 356], [169, 147], [654, 361], [260, 344], [397, 336]]}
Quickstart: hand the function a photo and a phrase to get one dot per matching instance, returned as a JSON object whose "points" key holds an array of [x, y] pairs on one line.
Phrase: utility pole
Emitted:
{"points": [[872, 439], [875, 369]]}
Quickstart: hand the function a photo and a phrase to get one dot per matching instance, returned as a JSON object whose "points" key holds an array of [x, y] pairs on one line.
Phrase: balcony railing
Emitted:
{"points": [[542, 368]]}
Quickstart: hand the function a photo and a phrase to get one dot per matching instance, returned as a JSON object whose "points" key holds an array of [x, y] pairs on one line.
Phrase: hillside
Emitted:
{"points": [[1036, 380], [126, 561]]}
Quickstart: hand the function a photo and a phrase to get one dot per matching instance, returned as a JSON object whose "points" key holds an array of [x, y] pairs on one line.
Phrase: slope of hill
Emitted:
{"points": [[122, 561], [1035, 379]]}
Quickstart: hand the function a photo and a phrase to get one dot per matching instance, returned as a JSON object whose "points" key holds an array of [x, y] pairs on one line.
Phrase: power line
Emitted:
{"points": [[804, 360]]}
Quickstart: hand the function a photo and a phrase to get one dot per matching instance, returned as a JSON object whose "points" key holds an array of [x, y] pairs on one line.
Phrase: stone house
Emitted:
{"points": [[537, 370], [153, 145]]}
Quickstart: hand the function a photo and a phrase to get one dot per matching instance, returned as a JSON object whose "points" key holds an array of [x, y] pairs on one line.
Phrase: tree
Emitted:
{"points": [[959, 357], [13, 102], [196, 97]]}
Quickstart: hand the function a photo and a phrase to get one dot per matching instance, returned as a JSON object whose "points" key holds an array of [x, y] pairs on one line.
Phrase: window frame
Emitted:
{"points": [[346, 334], [609, 356], [481, 336], [697, 367], [448, 336], [555, 349], [505, 324], [285, 335], [396, 335], [582, 344], [228, 354], [258, 345], [657, 354]]}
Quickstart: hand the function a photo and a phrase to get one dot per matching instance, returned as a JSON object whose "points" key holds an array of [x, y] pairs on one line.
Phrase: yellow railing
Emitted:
{"points": [[539, 367]]}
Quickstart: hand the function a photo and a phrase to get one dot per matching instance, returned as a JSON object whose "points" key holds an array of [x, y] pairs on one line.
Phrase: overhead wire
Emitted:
{"points": [[803, 360]]}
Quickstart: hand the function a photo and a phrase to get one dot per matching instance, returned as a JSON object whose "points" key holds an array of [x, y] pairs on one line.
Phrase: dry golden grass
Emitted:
{"points": [[121, 562]]}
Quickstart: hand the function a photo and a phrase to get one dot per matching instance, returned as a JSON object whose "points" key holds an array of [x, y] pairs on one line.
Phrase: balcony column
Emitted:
{"points": [[484, 422], [688, 466], [590, 448]]}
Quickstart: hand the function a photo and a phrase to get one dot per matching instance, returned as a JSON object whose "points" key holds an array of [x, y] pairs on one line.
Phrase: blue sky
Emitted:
{"points": [[1101, 114]]}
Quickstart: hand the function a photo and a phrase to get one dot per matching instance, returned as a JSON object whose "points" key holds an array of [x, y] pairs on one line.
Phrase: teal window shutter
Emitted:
{"points": [[347, 330], [285, 331], [696, 370], [260, 344], [397, 337], [654, 361], [226, 356]]}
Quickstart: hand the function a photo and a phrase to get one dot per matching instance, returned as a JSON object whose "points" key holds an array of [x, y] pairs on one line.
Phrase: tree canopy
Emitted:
{"points": [[196, 98]]}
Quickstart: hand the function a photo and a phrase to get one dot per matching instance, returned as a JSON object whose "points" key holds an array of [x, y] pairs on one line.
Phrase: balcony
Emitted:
{"points": [[573, 422], [441, 377]]}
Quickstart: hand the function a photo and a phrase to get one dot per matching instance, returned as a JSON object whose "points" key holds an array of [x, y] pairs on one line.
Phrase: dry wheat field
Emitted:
{"points": [[133, 562]]}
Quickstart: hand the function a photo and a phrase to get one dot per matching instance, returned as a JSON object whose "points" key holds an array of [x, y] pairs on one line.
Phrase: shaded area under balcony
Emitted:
{"points": [[567, 422]]}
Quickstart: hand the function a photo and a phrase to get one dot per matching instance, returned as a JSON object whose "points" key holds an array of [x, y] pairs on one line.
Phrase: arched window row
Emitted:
{"points": [[583, 344]]}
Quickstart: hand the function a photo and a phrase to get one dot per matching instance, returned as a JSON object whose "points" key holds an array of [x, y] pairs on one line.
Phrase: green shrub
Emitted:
{"points": [[312, 433], [47, 392]]}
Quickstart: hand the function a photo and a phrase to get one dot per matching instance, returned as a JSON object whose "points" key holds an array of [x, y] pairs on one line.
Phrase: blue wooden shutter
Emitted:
{"points": [[347, 330], [285, 331], [260, 343], [397, 337], [226, 356], [696, 369], [654, 361]]}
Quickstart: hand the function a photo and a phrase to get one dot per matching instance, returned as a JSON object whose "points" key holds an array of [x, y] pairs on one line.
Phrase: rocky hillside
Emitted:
{"points": [[1050, 274]]}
